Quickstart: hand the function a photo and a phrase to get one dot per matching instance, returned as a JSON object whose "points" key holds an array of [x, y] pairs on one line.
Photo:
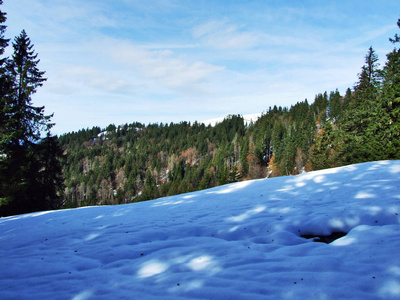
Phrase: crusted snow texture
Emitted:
{"points": [[237, 241]]}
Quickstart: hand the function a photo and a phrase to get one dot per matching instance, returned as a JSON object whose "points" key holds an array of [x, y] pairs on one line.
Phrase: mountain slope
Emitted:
{"points": [[247, 119], [238, 241]]}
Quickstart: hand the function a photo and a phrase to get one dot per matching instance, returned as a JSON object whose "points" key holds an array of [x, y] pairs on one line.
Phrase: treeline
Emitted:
{"points": [[134, 162], [138, 162]]}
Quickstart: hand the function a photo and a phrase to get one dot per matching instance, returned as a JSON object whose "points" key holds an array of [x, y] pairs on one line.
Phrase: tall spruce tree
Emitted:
{"points": [[30, 171], [361, 140], [5, 111], [391, 99], [5, 82], [3, 41]]}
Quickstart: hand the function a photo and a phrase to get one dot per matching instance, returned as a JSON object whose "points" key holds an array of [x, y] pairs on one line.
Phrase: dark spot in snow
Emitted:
{"points": [[295, 282], [178, 284], [141, 254], [126, 232], [76, 251], [373, 277], [376, 221], [325, 238]]}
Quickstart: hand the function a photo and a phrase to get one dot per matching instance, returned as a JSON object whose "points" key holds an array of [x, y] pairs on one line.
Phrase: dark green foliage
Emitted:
{"points": [[30, 169], [390, 98], [362, 134], [3, 41], [324, 153]]}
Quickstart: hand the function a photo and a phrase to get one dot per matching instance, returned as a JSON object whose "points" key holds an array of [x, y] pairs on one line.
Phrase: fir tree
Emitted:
{"points": [[3, 41], [361, 139], [30, 172], [324, 152], [391, 99]]}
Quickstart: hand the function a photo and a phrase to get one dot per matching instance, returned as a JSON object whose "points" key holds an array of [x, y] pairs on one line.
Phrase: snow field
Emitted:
{"points": [[238, 241]]}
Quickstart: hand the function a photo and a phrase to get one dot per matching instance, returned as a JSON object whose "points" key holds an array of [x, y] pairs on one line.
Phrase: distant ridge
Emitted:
{"points": [[247, 119]]}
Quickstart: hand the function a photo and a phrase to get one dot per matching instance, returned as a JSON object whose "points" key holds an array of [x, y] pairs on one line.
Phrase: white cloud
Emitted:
{"points": [[173, 61], [220, 34], [163, 67]]}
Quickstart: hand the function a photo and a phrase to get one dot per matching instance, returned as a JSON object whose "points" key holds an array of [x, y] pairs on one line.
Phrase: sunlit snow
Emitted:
{"points": [[247, 240]]}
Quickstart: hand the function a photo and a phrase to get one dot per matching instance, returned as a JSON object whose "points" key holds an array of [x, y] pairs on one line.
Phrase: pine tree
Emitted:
{"points": [[5, 81], [361, 127], [30, 172], [29, 121], [5, 88], [49, 181], [3, 41], [391, 99], [324, 152]]}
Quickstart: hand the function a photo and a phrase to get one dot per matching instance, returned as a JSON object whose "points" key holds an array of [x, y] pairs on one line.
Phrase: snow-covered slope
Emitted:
{"points": [[238, 241]]}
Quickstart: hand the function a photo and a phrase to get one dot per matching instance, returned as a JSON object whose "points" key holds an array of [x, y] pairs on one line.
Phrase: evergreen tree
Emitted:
{"points": [[361, 123], [5, 112], [50, 183], [5, 81], [324, 152], [150, 187], [391, 99], [3, 41], [28, 121], [335, 106], [30, 172]]}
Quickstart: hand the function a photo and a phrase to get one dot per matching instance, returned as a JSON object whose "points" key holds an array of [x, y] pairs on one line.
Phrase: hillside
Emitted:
{"points": [[247, 119], [136, 162], [246, 240]]}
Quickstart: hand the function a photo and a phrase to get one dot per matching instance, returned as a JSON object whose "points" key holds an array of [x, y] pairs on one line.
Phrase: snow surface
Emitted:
{"points": [[237, 241]]}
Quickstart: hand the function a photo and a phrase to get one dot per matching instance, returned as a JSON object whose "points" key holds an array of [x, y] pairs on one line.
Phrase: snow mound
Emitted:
{"points": [[240, 241]]}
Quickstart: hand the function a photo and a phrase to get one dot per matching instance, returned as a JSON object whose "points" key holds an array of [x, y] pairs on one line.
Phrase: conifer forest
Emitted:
{"points": [[136, 162]]}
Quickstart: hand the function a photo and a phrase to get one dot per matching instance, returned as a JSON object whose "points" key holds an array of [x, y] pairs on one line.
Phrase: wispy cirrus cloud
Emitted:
{"points": [[164, 67], [222, 35], [168, 60]]}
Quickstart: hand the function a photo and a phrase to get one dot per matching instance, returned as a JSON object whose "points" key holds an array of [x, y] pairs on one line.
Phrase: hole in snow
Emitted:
{"points": [[325, 238]]}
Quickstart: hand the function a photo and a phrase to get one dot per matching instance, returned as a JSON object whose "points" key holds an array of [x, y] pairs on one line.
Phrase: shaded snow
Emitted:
{"points": [[238, 241]]}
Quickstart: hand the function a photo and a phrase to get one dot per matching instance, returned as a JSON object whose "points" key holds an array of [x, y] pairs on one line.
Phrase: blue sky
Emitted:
{"points": [[155, 61]]}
